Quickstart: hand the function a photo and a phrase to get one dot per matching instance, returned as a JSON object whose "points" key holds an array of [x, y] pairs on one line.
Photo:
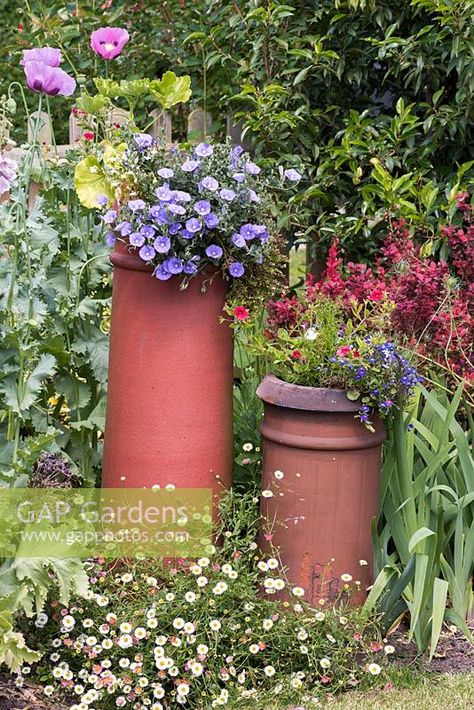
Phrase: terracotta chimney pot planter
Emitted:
{"points": [[169, 407], [324, 504]]}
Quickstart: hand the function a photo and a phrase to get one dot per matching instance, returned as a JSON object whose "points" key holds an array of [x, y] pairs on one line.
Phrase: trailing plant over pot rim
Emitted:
{"points": [[312, 343]]}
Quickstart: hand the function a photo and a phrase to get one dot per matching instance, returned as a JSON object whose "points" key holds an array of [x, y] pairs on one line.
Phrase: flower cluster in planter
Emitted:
{"points": [[206, 634], [311, 341], [192, 212]]}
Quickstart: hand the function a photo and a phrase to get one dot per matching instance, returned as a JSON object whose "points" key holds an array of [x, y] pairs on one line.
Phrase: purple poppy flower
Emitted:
{"points": [[8, 170], [49, 80], [125, 228], [165, 173], [203, 207], [253, 197], [211, 220], [110, 239], [108, 42], [143, 140], [236, 269], [175, 228], [174, 265], [176, 209], [252, 168], [190, 166], [190, 267], [214, 251], [147, 253], [162, 244], [185, 234], [163, 193], [210, 183], [193, 225], [292, 175], [44, 55], [238, 240], [109, 217], [161, 274], [136, 205], [181, 196], [239, 177], [102, 200], [136, 239], [248, 231], [227, 195], [148, 231], [204, 150]]}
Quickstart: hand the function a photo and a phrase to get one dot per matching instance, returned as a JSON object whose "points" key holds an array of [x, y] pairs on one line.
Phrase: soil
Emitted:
{"points": [[29, 697], [455, 654]]}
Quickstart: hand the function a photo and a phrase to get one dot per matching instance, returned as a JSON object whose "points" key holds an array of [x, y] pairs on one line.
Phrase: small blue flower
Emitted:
{"points": [[147, 253], [165, 173], [193, 225], [109, 217], [102, 200], [211, 220], [236, 269], [161, 273], [143, 140], [190, 166], [239, 177], [252, 168], [214, 251], [162, 244], [174, 265], [190, 267], [110, 239], [136, 205], [238, 240], [204, 150], [202, 207], [210, 183], [136, 239], [227, 195]]}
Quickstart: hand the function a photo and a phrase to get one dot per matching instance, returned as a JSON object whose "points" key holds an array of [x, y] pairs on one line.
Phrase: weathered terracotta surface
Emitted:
{"points": [[324, 504], [169, 408]]}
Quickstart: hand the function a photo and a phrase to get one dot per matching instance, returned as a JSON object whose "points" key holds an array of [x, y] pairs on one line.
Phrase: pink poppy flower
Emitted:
{"points": [[49, 80], [108, 42], [44, 55]]}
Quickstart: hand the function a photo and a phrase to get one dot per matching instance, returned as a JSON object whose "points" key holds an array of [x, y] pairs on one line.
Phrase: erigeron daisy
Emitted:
{"points": [[151, 581], [127, 577], [120, 701], [267, 624], [262, 566], [107, 644], [325, 663], [178, 623], [330, 638], [54, 657], [152, 623], [215, 624], [78, 689], [296, 683], [374, 668], [269, 671], [226, 568], [183, 689], [272, 563], [278, 475], [204, 561], [220, 588], [48, 690], [190, 597], [389, 649], [253, 648], [125, 641], [68, 622], [91, 641], [111, 619], [363, 563], [346, 577], [124, 662], [298, 591], [269, 583], [158, 692], [161, 663], [302, 635], [173, 671], [158, 651], [320, 616], [201, 581], [197, 668], [279, 584], [57, 673], [247, 447], [126, 628], [140, 633], [233, 574], [176, 642], [303, 649], [267, 493], [202, 649], [101, 600], [160, 640], [169, 597], [195, 569], [343, 620], [88, 623], [189, 628], [143, 682], [156, 706]]}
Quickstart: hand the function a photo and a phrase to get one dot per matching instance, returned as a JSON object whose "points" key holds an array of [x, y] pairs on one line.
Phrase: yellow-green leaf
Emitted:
{"points": [[90, 180], [171, 89]]}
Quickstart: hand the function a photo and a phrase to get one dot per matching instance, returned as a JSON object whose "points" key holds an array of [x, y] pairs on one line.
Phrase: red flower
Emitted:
{"points": [[88, 135], [376, 294], [241, 313], [296, 354], [343, 351]]}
